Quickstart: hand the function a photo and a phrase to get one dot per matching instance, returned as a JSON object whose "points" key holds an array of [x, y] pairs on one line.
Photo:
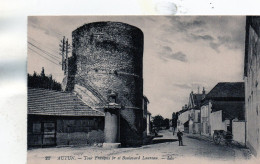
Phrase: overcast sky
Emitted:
{"points": [[180, 53]]}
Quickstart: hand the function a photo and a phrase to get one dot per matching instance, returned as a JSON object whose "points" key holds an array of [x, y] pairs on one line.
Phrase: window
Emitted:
{"points": [[49, 127], [37, 127], [112, 99]]}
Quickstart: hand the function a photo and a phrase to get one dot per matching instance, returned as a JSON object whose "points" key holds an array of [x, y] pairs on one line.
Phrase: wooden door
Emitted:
{"points": [[49, 133]]}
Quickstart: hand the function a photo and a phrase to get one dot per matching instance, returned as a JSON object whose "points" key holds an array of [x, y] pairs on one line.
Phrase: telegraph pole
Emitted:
{"points": [[62, 49], [67, 52]]}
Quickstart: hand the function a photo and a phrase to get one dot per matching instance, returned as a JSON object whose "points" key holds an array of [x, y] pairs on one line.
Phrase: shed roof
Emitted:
{"points": [[230, 109], [57, 103], [227, 90]]}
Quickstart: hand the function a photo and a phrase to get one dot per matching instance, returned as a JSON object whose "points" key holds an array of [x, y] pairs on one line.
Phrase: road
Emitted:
{"points": [[164, 148]]}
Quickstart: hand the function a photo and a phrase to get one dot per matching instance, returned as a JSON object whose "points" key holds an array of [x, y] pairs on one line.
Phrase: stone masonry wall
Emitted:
{"points": [[84, 131], [108, 56], [252, 90]]}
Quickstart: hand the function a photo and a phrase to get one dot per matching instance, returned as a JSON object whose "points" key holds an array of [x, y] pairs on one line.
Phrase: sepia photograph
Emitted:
{"points": [[142, 88]]}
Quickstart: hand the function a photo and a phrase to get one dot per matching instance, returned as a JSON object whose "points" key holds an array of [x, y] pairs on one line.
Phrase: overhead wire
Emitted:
{"points": [[38, 44], [44, 51], [43, 56]]}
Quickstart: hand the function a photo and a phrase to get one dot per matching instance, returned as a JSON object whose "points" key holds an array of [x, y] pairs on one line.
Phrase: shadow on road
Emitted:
{"points": [[157, 141]]}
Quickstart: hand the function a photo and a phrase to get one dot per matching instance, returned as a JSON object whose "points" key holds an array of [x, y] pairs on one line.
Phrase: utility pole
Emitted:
{"points": [[62, 49], [66, 60]]}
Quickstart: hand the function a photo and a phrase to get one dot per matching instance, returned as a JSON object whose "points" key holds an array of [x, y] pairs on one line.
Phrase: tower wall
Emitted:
{"points": [[106, 57]]}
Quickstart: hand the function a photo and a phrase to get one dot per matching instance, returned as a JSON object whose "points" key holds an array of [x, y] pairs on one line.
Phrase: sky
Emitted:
{"points": [[181, 53]]}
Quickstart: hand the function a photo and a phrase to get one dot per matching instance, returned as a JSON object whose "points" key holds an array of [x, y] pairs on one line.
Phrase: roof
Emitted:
{"points": [[230, 109], [183, 110], [145, 98], [57, 103], [225, 90], [195, 100]]}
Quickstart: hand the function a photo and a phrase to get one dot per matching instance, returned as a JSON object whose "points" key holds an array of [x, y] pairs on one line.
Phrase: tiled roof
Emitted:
{"points": [[230, 109], [227, 90], [49, 102], [183, 110], [197, 99]]}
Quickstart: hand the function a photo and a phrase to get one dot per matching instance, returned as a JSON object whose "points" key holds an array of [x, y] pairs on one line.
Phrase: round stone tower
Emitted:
{"points": [[107, 57]]}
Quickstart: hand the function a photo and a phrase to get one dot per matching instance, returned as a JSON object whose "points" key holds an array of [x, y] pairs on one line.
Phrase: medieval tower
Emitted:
{"points": [[107, 67]]}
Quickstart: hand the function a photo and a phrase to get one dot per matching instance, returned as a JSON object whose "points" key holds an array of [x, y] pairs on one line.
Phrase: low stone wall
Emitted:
{"points": [[238, 131], [216, 122]]}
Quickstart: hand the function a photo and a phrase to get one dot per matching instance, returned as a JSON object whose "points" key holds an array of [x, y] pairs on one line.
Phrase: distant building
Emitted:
{"points": [[148, 123], [188, 119], [224, 103], [183, 119], [252, 78], [205, 111], [174, 120], [194, 111], [146, 116], [58, 118]]}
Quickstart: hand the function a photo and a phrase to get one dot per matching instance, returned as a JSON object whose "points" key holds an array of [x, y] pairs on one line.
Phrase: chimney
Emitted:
{"points": [[203, 91]]}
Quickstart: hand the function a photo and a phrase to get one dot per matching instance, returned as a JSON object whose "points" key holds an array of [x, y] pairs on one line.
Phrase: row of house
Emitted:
{"points": [[222, 108], [232, 107]]}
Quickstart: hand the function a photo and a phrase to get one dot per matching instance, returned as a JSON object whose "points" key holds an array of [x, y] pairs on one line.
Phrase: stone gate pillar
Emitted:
{"points": [[112, 125]]}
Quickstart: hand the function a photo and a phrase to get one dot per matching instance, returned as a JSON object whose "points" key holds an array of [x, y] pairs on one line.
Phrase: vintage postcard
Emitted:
{"points": [[143, 89]]}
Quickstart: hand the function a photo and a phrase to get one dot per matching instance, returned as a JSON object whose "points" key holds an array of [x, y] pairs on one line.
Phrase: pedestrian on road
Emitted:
{"points": [[179, 135]]}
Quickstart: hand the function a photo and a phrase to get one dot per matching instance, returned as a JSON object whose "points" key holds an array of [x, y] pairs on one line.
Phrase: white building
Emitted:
{"points": [[252, 78]]}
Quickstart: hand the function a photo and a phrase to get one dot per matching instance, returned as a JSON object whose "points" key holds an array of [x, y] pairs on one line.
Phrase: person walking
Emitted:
{"points": [[179, 135]]}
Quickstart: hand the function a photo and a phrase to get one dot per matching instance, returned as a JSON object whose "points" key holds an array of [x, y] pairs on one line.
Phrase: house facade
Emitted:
{"points": [[194, 111], [183, 119], [205, 111], [224, 103], [252, 78]]}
